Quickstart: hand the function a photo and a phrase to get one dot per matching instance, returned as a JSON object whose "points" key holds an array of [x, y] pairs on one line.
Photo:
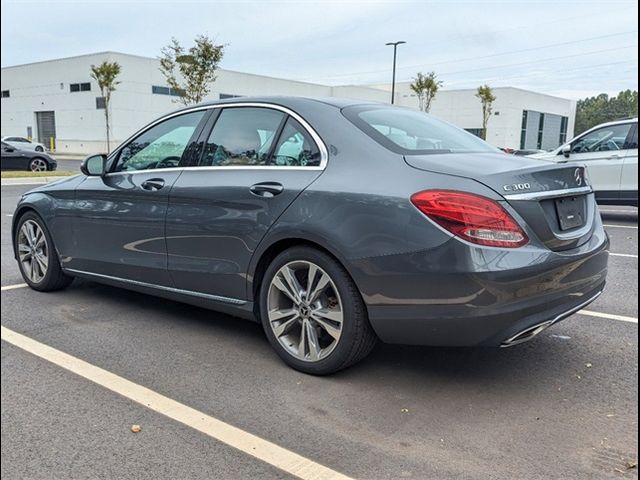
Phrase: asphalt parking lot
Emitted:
{"points": [[562, 406]]}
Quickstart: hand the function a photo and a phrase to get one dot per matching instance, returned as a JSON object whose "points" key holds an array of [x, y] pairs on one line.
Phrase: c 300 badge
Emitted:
{"points": [[517, 187]]}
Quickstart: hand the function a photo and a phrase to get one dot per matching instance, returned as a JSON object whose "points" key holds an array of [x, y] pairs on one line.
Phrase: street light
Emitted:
{"points": [[393, 81]]}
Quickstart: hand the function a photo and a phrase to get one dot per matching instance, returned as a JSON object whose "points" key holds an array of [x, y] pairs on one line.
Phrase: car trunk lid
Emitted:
{"points": [[554, 200]]}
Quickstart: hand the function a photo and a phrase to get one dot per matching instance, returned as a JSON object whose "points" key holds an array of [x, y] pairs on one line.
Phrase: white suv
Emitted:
{"points": [[610, 152]]}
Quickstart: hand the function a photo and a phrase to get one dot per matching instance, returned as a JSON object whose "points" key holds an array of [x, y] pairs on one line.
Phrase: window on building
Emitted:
{"points": [[242, 136], [523, 129], [475, 131], [6, 93], [540, 130], [101, 103], [564, 121], [160, 90], [80, 87], [222, 96]]}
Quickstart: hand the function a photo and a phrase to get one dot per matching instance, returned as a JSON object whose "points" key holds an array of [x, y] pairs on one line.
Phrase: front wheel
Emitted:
{"points": [[38, 165], [313, 314], [37, 257]]}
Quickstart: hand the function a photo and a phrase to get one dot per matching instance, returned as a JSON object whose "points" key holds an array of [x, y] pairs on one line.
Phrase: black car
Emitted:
{"points": [[333, 222], [17, 159]]}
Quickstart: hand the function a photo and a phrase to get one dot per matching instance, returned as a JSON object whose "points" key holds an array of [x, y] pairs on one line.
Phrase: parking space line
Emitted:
{"points": [[620, 226], [628, 255], [250, 444], [13, 287], [610, 316]]}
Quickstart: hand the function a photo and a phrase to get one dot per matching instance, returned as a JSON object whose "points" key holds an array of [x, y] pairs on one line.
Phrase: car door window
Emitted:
{"points": [[632, 141], [161, 146], [242, 136], [296, 147], [605, 139]]}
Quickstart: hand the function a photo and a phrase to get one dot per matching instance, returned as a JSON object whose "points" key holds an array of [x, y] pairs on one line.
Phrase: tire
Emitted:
{"points": [[38, 164], [39, 149], [40, 248], [328, 346]]}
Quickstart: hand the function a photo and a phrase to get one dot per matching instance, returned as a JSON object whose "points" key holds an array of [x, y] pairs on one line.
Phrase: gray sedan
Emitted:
{"points": [[334, 223]]}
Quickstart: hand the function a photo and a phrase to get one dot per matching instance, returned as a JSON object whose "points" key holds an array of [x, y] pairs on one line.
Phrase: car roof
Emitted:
{"points": [[616, 122], [292, 102]]}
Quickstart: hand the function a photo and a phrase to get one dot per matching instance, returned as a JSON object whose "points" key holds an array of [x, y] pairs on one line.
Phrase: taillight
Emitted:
{"points": [[475, 218]]}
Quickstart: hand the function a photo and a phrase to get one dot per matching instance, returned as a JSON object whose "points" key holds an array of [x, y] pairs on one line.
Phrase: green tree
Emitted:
{"points": [[190, 73], [593, 111], [105, 74], [486, 96], [425, 87]]}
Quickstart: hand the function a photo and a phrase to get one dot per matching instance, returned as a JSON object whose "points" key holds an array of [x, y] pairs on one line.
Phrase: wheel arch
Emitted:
{"points": [[267, 253]]}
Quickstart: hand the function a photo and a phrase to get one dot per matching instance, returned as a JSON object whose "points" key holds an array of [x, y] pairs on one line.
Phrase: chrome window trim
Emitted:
{"points": [[324, 153], [549, 194], [208, 296]]}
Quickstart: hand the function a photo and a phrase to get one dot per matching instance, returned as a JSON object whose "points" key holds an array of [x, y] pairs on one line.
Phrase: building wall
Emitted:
{"points": [[80, 127]]}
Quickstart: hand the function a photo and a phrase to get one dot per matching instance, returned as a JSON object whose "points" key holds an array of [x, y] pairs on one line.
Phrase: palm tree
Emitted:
{"points": [[486, 96], [105, 74]]}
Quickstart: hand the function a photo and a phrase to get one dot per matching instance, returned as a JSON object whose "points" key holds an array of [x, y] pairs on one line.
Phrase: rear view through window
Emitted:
{"points": [[411, 133]]}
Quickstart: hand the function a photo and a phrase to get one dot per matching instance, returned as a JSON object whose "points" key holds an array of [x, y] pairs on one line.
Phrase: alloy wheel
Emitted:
{"points": [[33, 251], [38, 165], [305, 311]]}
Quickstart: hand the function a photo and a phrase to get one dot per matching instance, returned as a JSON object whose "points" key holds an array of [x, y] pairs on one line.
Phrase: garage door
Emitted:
{"points": [[46, 123]]}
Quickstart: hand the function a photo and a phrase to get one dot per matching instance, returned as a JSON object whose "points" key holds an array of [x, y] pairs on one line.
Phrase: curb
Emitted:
{"points": [[30, 180]]}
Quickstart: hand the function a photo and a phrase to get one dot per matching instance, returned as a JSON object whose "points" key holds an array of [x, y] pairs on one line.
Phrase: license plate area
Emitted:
{"points": [[570, 212]]}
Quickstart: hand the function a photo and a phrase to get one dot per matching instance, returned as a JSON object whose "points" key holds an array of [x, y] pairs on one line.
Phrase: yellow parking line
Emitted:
{"points": [[252, 445], [13, 287]]}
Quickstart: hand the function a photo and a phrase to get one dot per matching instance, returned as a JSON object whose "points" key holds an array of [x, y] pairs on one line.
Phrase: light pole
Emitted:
{"points": [[393, 81]]}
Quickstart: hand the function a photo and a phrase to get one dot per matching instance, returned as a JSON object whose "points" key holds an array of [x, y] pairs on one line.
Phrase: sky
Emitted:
{"points": [[570, 48]]}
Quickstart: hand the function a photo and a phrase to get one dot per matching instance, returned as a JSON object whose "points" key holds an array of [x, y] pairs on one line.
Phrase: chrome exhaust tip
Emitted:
{"points": [[527, 334], [531, 332]]}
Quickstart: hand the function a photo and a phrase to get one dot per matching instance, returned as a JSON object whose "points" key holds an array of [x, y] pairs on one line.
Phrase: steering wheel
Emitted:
{"points": [[168, 162]]}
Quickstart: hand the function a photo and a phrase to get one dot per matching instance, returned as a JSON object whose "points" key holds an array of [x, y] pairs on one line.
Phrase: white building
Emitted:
{"points": [[57, 102]]}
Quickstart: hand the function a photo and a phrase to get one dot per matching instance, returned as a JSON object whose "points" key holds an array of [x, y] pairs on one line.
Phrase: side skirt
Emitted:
{"points": [[231, 306]]}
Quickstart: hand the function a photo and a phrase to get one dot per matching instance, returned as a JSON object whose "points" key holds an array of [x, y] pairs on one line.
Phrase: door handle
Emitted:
{"points": [[152, 184], [266, 189]]}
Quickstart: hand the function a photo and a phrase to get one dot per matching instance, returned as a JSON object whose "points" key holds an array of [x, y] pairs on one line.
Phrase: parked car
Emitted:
{"points": [[24, 144], [16, 159], [610, 152], [321, 220]]}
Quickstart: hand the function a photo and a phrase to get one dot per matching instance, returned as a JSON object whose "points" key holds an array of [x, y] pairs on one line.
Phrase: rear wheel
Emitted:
{"points": [[37, 257], [312, 312], [38, 165]]}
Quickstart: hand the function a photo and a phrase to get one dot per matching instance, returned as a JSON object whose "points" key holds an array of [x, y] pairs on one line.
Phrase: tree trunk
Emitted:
{"points": [[106, 118]]}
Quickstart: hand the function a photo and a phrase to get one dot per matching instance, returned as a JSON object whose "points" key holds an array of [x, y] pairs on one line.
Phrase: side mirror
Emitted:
{"points": [[94, 165], [9, 149], [566, 150]]}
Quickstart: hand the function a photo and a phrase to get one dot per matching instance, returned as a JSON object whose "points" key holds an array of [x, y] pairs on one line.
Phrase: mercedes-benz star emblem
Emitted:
{"points": [[578, 176]]}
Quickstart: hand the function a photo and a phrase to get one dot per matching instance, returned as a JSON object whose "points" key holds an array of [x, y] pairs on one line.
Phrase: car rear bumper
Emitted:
{"points": [[464, 296]]}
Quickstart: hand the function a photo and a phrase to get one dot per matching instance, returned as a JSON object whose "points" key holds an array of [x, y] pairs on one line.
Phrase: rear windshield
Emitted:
{"points": [[409, 132]]}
